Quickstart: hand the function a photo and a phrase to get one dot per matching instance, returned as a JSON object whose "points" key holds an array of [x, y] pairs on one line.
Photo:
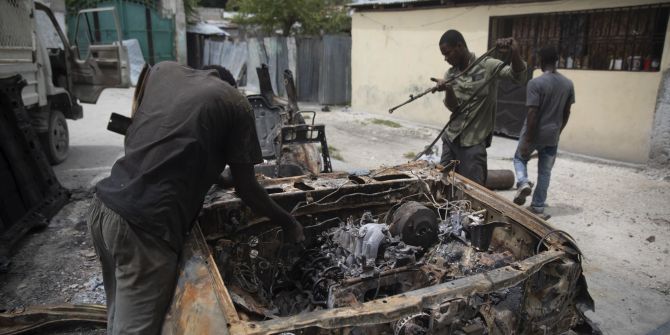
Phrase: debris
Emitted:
{"points": [[651, 239], [325, 109], [36, 317]]}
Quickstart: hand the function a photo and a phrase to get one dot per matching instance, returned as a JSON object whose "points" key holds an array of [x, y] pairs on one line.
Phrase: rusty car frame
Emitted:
{"points": [[525, 277]]}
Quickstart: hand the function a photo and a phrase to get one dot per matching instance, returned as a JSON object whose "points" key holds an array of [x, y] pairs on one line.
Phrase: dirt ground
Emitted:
{"points": [[618, 213]]}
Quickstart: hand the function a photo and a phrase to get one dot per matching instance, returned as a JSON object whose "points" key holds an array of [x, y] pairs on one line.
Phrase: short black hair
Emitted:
{"points": [[224, 74], [548, 55], [452, 37]]}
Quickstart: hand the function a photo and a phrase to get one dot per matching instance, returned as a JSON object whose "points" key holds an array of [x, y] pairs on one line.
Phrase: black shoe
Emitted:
{"points": [[522, 192], [541, 214]]}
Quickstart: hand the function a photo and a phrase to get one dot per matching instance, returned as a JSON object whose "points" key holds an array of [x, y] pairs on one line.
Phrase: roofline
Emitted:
{"points": [[431, 4]]}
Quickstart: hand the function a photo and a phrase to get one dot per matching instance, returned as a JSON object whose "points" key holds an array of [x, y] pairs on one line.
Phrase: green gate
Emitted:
{"points": [[140, 19]]}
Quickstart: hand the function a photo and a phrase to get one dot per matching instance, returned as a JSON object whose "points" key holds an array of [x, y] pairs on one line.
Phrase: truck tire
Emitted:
{"points": [[56, 141]]}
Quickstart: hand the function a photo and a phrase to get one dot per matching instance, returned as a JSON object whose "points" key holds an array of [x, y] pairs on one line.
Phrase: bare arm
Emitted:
{"points": [[531, 124], [517, 63], [531, 129], [450, 100], [518, 66], [254, 195], [566, 116]]}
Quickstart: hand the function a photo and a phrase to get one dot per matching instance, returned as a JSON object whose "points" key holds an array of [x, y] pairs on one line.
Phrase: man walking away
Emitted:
{"points": [[548, 99], [471, 99]]}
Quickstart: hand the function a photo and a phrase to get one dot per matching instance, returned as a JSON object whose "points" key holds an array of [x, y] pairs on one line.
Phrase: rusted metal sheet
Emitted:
{"points": [[201, 304]]}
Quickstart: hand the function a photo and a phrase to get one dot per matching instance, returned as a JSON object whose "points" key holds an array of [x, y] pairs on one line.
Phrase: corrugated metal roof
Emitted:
{"points": [[205, 29]]}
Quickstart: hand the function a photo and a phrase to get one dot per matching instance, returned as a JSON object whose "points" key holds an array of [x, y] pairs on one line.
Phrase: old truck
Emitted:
{"points": [[59, 74], [42, 80]]}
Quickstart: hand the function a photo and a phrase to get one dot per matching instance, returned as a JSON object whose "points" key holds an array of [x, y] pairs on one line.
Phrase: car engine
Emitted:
{"points": [[360, 258]]}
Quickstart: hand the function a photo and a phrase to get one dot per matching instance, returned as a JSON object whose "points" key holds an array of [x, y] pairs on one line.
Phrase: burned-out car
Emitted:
{"points": [[401, 250]]}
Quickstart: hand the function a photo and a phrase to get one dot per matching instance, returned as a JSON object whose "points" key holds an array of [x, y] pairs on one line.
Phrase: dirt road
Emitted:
{"points": [[618, 213]]}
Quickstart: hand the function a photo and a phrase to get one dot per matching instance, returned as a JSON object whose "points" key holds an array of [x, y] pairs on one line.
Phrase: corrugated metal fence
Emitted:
{"points": [[321, 65]]}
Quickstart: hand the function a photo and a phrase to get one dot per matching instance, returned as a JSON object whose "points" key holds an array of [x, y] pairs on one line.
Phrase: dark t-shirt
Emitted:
{"points": [[551, 93], [189, 125]]}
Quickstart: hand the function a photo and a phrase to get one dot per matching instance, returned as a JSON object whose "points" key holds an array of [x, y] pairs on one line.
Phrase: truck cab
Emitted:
{"points": [[59, 74]]}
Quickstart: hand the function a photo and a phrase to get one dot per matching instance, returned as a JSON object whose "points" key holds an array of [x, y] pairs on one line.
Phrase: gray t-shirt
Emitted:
{"points": [[550, 93]]}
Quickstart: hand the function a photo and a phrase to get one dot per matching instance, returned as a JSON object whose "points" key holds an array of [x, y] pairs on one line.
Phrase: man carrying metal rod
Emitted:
{"points": [[471, 97]]}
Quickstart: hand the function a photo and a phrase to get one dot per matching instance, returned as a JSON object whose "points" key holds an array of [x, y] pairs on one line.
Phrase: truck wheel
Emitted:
{"points": [[56, 141]]}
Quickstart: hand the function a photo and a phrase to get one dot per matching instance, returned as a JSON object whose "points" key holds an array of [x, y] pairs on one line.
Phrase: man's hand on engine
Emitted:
{"points": [[292, 230]]}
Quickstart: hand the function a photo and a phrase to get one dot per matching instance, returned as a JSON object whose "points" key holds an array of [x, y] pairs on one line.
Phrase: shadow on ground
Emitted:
{"points": [[86, 164], [559, 209]]}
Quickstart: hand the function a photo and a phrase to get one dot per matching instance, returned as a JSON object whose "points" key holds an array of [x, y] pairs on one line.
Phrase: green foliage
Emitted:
{"points": [[190, 10], [313, 16], [213, 3]]}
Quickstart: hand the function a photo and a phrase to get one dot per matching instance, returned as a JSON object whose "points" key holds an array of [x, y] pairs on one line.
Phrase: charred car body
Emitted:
{"points": [[402, 250], [288, 143]]}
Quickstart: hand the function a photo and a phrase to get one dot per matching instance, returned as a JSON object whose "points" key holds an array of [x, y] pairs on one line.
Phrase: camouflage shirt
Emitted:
{"points": [[474, 122]]}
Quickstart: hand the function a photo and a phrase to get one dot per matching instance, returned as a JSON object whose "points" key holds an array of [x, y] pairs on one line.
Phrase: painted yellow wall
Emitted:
{"points": [[394, 54]]}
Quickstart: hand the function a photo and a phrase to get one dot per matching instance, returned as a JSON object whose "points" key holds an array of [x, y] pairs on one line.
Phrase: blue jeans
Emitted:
{"points": [[547, 157]]}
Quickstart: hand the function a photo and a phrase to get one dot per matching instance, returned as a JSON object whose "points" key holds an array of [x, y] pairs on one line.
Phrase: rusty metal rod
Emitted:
{"points": [[413, 97]]}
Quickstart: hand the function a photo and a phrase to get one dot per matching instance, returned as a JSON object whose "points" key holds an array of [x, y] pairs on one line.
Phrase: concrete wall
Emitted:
{"points": [[176, 8], [394, 54], [660, 136]]}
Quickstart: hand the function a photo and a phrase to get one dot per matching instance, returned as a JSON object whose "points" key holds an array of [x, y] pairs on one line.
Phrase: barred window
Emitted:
{"points": [[621, 39]]}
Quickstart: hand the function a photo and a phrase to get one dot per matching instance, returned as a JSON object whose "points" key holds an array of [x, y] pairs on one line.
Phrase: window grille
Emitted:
{"points": [[16, 30], [621, 39]]}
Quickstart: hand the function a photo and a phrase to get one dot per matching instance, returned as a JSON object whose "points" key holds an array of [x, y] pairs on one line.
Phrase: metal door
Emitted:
{"points": [[143, 20], [100, 59]]}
